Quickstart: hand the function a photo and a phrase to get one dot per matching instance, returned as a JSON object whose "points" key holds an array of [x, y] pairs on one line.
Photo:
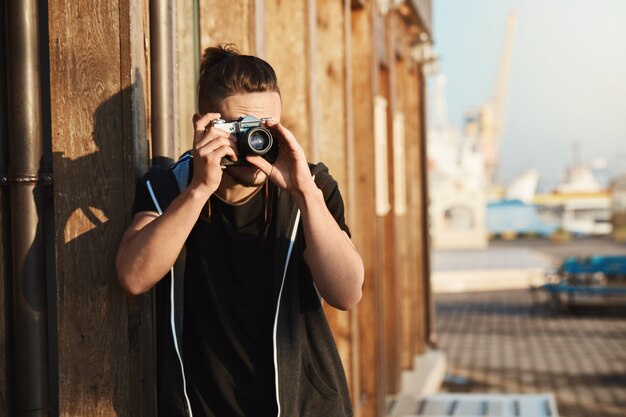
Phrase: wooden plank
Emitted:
{"points": [[288, 49], [385, 250], [430, 337], [364, 77], [134, 19], [89, 144], [330, 68], [403, 118], [416, 309], [420, 207], [410, 306], [227, 22], [354, 378], [395, 231], [331, 142], [188, 64]]}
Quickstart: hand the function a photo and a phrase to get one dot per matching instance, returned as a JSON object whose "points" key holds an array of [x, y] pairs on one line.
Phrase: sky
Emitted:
{"points": [[567, 86]]}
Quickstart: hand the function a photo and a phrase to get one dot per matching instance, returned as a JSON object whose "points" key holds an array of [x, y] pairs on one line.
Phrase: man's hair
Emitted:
{"points": [[225, 72]]}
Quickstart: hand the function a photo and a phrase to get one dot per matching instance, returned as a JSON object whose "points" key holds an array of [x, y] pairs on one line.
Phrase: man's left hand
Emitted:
{"points": [[290, 171]]}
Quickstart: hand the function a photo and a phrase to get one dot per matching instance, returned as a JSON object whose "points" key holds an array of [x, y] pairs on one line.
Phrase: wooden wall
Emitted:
{"points": [[353, 96], [370, 398], [98, 100]]}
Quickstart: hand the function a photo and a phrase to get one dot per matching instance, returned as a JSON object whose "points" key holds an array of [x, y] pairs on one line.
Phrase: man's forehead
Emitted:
{"points": [[262, 104]]}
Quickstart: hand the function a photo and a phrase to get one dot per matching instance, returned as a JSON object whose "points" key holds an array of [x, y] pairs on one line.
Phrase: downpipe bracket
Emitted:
{"points": [[44, 179]]}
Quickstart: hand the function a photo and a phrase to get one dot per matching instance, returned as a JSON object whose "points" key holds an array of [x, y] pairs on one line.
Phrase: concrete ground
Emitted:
{"points": [[507, 341]]}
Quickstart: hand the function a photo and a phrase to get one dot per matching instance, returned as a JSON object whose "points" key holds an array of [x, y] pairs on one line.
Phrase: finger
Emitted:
{"points": [[212, 145], [223, 152], [221, 145], [211, 135], [220, 152], [283, 134], [213, 159], [200, 123], [260, 163]]}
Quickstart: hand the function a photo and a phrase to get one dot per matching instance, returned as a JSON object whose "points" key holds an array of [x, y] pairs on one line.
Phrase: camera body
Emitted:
{"points": [[252, 139]]}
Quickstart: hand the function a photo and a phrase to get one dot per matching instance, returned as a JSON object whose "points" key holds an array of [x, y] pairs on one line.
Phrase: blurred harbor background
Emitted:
{"points": [[527, 180], [526, 129]]}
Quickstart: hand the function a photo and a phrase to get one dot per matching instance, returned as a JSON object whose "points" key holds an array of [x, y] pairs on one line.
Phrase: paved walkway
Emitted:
{"points": [[501, 342]]}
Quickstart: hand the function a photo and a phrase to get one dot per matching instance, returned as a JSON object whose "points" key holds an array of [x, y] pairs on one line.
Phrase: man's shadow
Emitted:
{"points": [[99, 328]]}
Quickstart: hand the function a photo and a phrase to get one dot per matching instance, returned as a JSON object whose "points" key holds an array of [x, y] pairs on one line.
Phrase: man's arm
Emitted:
{"points": [[334, 262], [152, 243]]}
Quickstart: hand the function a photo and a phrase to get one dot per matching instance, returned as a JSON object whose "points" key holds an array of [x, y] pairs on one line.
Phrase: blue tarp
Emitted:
{"points": [[608, 265], [507, 216]]}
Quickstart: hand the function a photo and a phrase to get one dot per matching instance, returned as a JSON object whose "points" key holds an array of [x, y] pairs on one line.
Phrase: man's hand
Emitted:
{"points": [[210, 145], [291, 170], [335, 264]]}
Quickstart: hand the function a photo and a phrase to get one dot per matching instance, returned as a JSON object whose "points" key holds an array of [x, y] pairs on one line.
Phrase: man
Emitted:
{"points": [[244, 333]]}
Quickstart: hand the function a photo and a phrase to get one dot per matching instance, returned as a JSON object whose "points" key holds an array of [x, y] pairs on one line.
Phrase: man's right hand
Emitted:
{"points": [[210, 145], [152, 243]]}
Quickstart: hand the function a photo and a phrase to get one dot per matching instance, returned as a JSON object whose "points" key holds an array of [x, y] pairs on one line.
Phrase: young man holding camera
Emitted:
{"points": [[244, 333]]}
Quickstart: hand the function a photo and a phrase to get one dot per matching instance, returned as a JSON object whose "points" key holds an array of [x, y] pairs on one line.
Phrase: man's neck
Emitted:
{"points": [[234, 193]]}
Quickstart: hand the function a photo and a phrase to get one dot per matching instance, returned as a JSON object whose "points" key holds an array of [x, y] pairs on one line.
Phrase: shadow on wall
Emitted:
{"points": [[93, 200]]}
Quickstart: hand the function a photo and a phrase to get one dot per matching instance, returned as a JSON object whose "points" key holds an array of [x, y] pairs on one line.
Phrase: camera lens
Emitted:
{"points": [[259, 140]]}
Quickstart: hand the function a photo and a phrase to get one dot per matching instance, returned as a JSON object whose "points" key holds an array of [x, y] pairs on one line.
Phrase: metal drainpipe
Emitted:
{"points": [[162, 81], [26, 181], [431, 336]]}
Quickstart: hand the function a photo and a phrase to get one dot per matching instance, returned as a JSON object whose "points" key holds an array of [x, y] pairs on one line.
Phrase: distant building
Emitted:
{"points": [[456, 175], [618, 207]]}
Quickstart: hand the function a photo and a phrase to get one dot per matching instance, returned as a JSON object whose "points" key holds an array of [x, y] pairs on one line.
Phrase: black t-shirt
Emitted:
{"points": [[229, 308], [227, 331]]}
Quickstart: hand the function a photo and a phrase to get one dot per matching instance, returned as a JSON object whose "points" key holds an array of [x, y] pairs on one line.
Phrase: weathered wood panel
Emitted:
{"points": [[92, 158], [419, 213], [414, 310], [351, 209], [331, 142], [386, 250], [396, 222], [404, 117], [427, 316], [188, 64], [134, 63], [364, 77], [228, 22], [330, 100], [410, 303], [288, 38]]}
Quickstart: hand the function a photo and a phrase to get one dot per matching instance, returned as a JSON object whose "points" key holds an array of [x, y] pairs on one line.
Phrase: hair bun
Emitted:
{"points": [[224, 72], [214, 54]]}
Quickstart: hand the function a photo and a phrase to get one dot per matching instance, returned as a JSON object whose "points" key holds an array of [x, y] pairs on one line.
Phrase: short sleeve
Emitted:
{"points": [[143, 202], [332, 197], [164, 187]]}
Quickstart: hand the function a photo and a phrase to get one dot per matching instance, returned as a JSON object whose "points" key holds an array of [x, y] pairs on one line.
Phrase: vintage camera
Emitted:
{"points": [[252, 139]]}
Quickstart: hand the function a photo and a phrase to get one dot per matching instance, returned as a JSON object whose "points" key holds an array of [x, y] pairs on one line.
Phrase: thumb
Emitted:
{"points": [[260, 163]]}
